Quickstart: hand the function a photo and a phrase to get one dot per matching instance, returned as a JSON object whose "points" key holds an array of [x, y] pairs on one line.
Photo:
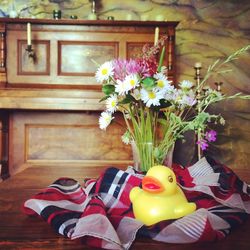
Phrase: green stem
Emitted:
{"points": [[161, 58]]}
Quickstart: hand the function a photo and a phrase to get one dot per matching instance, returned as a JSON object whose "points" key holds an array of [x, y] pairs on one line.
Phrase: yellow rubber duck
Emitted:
{"points": [[160, 197]]}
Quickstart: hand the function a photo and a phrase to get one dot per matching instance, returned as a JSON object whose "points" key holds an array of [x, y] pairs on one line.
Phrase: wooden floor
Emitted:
{"points": [[18, 231]]}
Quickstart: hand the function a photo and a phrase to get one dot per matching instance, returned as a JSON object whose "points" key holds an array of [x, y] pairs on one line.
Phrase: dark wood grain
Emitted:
{"points": [[18, 231]]}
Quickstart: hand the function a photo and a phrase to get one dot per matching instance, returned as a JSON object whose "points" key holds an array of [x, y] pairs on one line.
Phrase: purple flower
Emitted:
{"points": [[211, 135], [203, 144], [188, 100]]}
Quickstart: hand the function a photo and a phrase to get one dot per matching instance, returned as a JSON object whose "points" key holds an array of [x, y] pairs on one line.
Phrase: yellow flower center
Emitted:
{"points": [[151, 95], [160, 84], [104, 71], [132, 82], [113, 103]]}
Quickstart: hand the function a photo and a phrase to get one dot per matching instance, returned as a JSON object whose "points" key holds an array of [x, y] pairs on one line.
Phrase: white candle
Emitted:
{"points": [[197, 65], [156, 35], [28, 34]]}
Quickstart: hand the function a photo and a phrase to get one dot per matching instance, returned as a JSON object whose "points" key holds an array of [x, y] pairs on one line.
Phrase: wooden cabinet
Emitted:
{"points": [[52, 98], [4, 140]]}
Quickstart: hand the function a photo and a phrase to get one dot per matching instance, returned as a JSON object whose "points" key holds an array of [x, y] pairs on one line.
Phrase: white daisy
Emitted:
{"points": [[121, 87], [105, 119], [111, 103], [185, 84], [104, 71], [131, 81], [151, 97], [162, 83], [159, 75]]}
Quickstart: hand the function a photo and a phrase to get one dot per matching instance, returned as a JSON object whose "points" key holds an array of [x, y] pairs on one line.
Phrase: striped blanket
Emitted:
{"points": [[100, 213]]}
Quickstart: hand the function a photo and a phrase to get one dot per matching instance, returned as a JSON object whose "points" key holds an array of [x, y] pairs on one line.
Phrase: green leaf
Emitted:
{"points": [[108, 89], [128, 99], [156, 152], [148, 83], [162, 121], [104, 98]]}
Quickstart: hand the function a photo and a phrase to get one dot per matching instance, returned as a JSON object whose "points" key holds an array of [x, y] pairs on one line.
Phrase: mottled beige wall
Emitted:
{"points": [[208, 30]]}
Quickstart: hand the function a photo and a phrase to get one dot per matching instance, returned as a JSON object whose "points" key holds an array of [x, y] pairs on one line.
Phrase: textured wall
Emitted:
{"points": [[208, 30]]}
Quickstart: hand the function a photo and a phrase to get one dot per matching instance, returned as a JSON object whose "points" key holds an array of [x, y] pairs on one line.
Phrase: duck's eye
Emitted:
{"points": [[170, 178]]}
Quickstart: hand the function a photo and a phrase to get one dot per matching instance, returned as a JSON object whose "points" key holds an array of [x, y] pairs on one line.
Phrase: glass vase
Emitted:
{"points": [[168, 161], [142, 155]]}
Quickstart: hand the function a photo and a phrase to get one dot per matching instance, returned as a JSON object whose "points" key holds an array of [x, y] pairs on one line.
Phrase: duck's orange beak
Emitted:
{"points": [[152, 185]]}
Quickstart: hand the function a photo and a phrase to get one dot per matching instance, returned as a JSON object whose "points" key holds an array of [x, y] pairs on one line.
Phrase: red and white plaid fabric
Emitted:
{"points": [[100, 212]]}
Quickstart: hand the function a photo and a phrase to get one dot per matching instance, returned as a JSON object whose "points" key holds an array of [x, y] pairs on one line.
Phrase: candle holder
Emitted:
{"points": [[31, 52], [218, 86], [198, 78], [197, 68], [57, 14]]}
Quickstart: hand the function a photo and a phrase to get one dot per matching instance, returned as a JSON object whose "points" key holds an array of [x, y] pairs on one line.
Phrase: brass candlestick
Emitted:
{"points": [[197, 68], [218, 86], [31, 52]]}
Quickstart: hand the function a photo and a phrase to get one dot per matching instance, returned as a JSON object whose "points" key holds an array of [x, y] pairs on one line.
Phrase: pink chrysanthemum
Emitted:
{"points": [[133, 67], [123, 67], [149, 67]]}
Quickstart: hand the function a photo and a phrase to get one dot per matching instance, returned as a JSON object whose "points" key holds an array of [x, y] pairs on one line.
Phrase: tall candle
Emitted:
{"points": [[28, 34], [156, 35]]}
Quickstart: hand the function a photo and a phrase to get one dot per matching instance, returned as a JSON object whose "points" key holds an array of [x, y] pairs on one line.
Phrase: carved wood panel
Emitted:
{"points": [[73, 143], [52, 138], [40, 65], [134, 49], [82, 58]]}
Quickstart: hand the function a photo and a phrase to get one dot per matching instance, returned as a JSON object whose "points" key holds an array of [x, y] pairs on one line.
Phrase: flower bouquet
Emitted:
{"points": [[155, 111]]}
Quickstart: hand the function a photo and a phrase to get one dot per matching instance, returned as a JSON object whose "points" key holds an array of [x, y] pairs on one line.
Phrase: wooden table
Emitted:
{"points": [[18, 231]]}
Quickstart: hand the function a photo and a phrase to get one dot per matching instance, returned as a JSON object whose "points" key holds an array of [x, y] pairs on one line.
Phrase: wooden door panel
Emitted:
{"points": [[52, 138], [82, 58]]}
